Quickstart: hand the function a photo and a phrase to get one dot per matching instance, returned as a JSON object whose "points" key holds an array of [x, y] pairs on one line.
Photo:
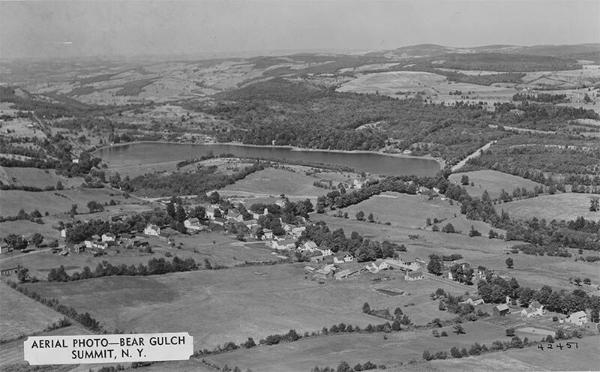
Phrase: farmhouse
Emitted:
{"points": [[152, 230], [108, 237], [63, 233], [193, 224], [399, 263], [234, 216], [10, 271], [579, 318], [413, 275], [501, 310], [267, 234], [308, 246], [297, 231]]}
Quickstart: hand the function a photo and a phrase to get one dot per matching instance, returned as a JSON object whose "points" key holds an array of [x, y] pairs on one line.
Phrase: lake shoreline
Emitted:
{"points": [[441, 162]]}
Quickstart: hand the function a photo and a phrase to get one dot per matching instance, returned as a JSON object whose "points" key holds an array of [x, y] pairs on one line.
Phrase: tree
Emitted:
{"points": [[94, 206], [73, 210], [180, 214], [464, 180], [448, 229], [509, 263], [37, 239], [474, 232], [459, 330], [455, 352], [370, 218], [16, 242], [427, 355], [214, 197], [366, 308], [344, 367], [435, 265], [23, 274], [360, 216], [59, 185], [594, 204]]}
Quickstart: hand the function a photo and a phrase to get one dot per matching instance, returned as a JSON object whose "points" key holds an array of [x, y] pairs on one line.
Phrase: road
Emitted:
{"points": [[475, 154]]}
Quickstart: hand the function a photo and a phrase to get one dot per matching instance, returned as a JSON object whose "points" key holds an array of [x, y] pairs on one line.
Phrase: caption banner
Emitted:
{"points": [[150, 347]]}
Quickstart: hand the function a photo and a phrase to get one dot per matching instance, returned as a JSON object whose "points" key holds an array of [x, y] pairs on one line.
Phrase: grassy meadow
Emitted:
{"points": [[566, 206], [492, 181]]}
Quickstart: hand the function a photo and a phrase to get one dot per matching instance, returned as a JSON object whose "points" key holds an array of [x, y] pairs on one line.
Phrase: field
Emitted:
{"points": [[532, 271], [22, 315], [566, 206], [529, 359], [274, 182], [397, 349], [35, 177], [411, 211], [216, 247], [54, 202], [216, 306], [492, 181]]}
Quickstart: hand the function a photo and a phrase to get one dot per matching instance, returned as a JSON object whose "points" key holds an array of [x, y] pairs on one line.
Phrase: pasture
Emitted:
{"points": [[216, 306], [21, 315], [566, 206], [35, 177], [412, 211], [492, 181], [397, 349], [274, 182]]}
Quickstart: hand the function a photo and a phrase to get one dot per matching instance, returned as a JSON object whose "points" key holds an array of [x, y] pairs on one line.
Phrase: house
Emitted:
{"points": [[4, 248], [501, 310], [63, 233], [338, 260], [234, 216], [152, 230], [399, 263], [308, 246], [309, 269], [75, 161], [281, 203], [10, 271], [219, 221], [579, 318], [267, 234], [372, 267], [193, 224], [210, 211], [297, 231], [473, 301], [108, 237], [321, 259], [357, 184], [413, 275], [281, 245], [344, 274], [88, 244], [325, 252]]}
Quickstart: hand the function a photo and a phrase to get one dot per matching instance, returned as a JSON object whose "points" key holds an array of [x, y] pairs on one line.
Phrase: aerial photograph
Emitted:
{"points": [[299, 185]]}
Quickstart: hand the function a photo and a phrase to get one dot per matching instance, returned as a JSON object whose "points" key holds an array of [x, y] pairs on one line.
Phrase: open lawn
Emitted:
{"points": [[20, 315], [216, 306], [412, 211], [274, 182], [35, 177], [492, 181], [566, 206], [53, 202]]}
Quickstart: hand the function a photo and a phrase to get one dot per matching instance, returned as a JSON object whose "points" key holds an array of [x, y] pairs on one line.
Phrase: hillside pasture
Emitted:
{"points": [[412, 211], [492, 181], [21, 315], [274, 182], [566, 206], [55, 202], [35, 177], [243, 302]]}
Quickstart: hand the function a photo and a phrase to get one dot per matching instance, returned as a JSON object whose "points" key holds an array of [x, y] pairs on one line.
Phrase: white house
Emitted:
{"points": [[63, 233], [152, 230], [193, 224], [297, 231], [348, 258], [235, 216], [267, 234], [108, 237], [403, 265], [309, 246], [325, 252], [579, 318]]}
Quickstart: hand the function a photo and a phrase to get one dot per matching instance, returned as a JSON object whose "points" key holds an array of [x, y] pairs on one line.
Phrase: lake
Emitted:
{"points": [[154, 152]]}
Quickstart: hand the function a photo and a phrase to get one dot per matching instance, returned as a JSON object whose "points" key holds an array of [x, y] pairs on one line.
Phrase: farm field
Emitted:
{"points": [[412, 211], [11, 353], [566, 206], [533, 271], [28, 228], [492, 181], [243, 302], [35, 177], [53, 202], [529, 359], [398, 349], [215, 247], [274, 182], [21, 315]]}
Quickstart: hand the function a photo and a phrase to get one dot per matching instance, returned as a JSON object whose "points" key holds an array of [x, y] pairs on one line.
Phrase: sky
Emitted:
{"points": [[42, 29]]}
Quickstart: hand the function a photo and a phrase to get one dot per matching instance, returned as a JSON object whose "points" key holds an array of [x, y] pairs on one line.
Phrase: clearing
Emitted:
{"points": [[566, 206], [492, 181], [274, 182]]}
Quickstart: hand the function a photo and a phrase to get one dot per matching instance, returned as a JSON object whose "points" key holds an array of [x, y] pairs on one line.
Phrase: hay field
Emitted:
{"points": [[54, 202], [274, 182], [566, 206], [529, 359], [411, 211], [399, 348], [216, 306], [35, 177], [492, 181], [21, 315]]}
